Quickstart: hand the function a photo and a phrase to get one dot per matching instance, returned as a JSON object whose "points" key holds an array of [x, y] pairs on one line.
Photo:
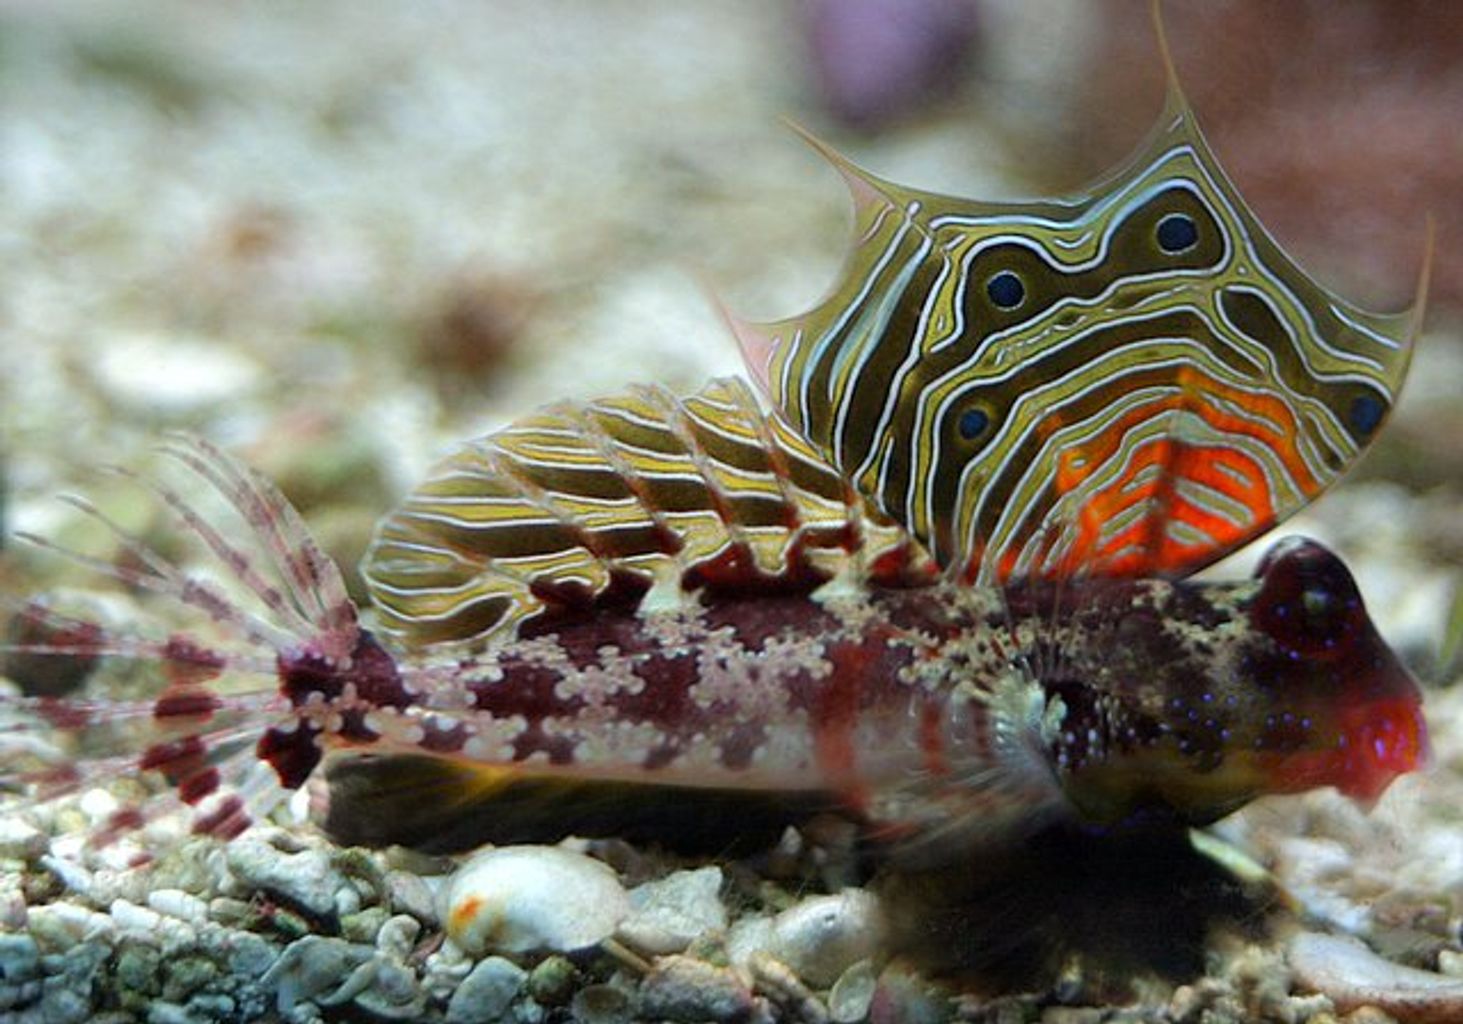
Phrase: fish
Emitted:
{"points": [[678, 622], [936, 573]]}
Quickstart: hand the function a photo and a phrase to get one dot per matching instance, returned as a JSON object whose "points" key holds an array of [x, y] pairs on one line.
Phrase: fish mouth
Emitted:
{"points": [[1382, 741], [1376, 742]]}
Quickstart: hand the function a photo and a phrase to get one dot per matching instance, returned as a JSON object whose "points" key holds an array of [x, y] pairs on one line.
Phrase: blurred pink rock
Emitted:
{"points": [[1339, 121], [877, 61]]}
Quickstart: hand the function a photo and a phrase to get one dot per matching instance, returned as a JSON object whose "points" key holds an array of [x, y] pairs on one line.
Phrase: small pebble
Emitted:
{"points": [[228, 911], [398, 936], [14, 914], [313, 966], [667, 915], [186, 975], [20, 840], [485, 995], [160, 1011], [518, 899], [601, 1004], [444, 970], [61, 925], [903, 997], [306, 880], [347, 901], [215, 1007], [363, 926], [162, 375], [774, 978], [852, 994], [20, 958], [64, 1006], [823, 936], [138, 967], [408, 894], [393, 993], [681, 989], [553, 981], [1353, 976], [179, 904], [130, 917], [1370, 1015], [1071, 1015], [245, 954]]}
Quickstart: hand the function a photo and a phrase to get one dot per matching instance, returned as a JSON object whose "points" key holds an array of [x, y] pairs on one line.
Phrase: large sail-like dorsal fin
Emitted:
{"points": [[1137, 364]]}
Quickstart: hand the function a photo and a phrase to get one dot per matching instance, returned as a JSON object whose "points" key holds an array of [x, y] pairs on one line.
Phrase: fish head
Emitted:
{"points": [[1346, 712], [1182, 701]]}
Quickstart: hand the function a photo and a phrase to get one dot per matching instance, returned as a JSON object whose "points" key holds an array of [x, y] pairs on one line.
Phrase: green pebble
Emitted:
{"points": [[137, 969], [289, 925], [553, 981], [186, 976], [363, 927]]}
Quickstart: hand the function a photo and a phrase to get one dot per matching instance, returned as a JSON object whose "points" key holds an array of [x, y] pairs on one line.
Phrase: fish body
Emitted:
{"points": [[945, 717], [950, 718]]}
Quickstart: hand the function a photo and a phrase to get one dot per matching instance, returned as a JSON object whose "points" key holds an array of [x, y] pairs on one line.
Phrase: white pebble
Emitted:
{"points": [[317, 968], [177, 903], [98, 805], [132, 918], [71, 874], [751, 934], [519, 899], [410, 894], [20, 840], [398, 935], [485, 994], [64, 924], [822, 937], [669, 914], [13, 913], [306, 879], [444, 970], [172, 375], [853, 993]]}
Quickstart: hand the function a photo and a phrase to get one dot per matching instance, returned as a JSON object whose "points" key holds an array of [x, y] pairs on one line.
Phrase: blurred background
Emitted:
{"points": [[341, 237]]}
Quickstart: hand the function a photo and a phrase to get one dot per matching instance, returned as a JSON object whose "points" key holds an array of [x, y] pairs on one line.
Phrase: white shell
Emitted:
{"points": [[518, 899]]}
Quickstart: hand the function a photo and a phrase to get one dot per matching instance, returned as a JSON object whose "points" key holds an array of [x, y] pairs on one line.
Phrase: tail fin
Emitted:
{"points": [[212, 717]]}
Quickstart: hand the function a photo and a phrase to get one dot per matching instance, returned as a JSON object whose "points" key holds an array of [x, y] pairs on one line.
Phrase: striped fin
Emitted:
{"points": [[582, 506], [1133, 380]]}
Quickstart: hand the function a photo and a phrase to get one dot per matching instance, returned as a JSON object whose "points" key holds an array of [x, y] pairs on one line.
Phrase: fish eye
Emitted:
{"points": [[1308, 602], [1366, 414], [1177, 233], [973, 423], [1006, 290]]}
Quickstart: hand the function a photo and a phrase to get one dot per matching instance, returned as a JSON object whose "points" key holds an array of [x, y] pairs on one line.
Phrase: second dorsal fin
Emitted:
{"points": [[581, 506]]}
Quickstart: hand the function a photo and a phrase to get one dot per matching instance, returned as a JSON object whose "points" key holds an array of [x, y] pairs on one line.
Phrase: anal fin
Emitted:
{"points": [[438, 805]]}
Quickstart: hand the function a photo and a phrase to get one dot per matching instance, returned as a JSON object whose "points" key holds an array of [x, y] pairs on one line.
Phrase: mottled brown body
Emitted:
{"points": [[946, 717]]}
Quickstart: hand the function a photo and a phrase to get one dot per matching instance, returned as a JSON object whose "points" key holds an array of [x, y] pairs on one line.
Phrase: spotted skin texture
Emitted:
{"points": [[946, 717]]}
